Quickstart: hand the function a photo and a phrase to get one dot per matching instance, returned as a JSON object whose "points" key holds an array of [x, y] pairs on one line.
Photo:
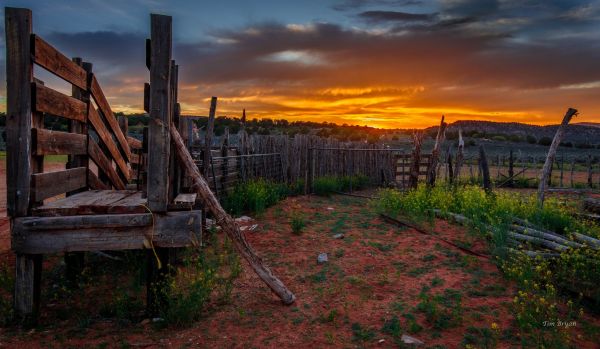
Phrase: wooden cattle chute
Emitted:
{"points": [[101, 210]]}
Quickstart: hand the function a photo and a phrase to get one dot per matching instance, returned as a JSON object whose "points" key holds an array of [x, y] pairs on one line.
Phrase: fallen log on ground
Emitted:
{"points": [[538, 241], [591, 205], [226, 222], [404, 222], [543, 235]]}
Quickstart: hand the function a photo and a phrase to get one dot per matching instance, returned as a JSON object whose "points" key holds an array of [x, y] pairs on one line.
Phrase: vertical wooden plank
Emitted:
{"points": [[19, 167], [76, 126], [209, 135], [160, 101], [19, 75]]}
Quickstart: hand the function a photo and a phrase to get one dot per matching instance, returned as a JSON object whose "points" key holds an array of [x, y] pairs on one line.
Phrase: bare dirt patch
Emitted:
{"points": [[378, 276]]}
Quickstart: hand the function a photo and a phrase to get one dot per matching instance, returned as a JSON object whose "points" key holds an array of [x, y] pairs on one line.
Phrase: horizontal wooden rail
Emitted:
{"points": [[104, 107], [55, 62], [47, 100], [121, 232], [104, 164], [46, 142], [49, 184], [134, 143], [106, 138]]}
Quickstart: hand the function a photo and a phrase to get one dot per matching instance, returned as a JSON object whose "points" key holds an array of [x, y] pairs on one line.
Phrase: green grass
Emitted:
{"points": [[297, 223], [577, 271], [327, 185], [255, 196]]}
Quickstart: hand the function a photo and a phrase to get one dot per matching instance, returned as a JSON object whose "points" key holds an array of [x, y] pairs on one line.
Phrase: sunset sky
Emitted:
{"points": [[382, 63]]}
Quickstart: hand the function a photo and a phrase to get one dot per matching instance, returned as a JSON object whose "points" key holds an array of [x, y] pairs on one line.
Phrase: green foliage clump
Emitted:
{"points": [[255, 196], [207, 272], [327, 185], [6, 289], [537, 301], [297, 223]]}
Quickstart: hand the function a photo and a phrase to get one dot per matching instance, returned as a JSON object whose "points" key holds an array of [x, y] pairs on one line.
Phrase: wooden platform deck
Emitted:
{"points": [[95, 202], [105, 220]]}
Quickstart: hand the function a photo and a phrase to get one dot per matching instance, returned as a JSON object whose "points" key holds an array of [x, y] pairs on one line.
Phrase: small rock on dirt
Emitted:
{"points": [[322, 258], [411, 340], [338, 236]]}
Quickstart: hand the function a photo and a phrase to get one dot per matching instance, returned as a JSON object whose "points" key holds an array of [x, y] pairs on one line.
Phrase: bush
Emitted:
{"points": [[255, 196], [531, 139], [545, 141], [208, 271]]}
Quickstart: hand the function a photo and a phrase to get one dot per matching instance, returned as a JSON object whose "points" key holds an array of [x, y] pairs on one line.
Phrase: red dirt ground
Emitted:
{"points": [[376, 272]]}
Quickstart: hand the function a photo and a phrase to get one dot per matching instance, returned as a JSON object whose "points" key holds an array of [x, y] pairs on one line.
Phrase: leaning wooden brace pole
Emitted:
{"points": [[227, 223], [435, 153], [552, 154]]}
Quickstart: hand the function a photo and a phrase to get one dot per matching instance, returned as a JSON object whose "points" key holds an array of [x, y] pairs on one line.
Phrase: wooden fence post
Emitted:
{"points": [[415, 167], [511, 169], [210, 126], [435, 153], [75, 261], [485, 170], [589, 178], [160, 103], [546, 170], [460, 157], [572, 170], [19, 161]]}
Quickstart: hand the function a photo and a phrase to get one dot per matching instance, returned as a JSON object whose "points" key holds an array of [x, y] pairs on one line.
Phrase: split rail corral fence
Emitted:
{"points": [[120, 193]]}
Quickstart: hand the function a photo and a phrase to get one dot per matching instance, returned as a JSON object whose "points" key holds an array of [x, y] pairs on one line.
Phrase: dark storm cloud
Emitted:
{"points": [[346, 5], [421, 57], [393, 16]]}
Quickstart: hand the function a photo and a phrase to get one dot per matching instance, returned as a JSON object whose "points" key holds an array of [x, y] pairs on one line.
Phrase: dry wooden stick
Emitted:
{"points": [[226, 222], [552, 154]]}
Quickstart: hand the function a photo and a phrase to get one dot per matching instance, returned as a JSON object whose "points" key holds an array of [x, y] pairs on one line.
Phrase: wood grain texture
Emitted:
{"points": [[174, 229], [105, 136], [547, 169], [50, 58], [227, 223], [94, 182], [19, 74], [110, 118], [160, 113], [104, 164], [46, 142], [47, 100], [94, 202], [49, 184]]}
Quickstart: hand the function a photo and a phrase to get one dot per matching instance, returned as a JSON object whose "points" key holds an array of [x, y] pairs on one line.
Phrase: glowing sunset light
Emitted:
{"points": [[379, 63]]}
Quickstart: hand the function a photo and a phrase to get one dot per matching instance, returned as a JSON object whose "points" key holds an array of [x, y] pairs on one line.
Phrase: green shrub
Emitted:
{"points": [[207, 272], [297, 223], [327, 185], [255, 196]]}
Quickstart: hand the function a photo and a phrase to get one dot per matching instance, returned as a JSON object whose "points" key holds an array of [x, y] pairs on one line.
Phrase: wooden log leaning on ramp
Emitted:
{"points": [[552, 154], [227, 223]]}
